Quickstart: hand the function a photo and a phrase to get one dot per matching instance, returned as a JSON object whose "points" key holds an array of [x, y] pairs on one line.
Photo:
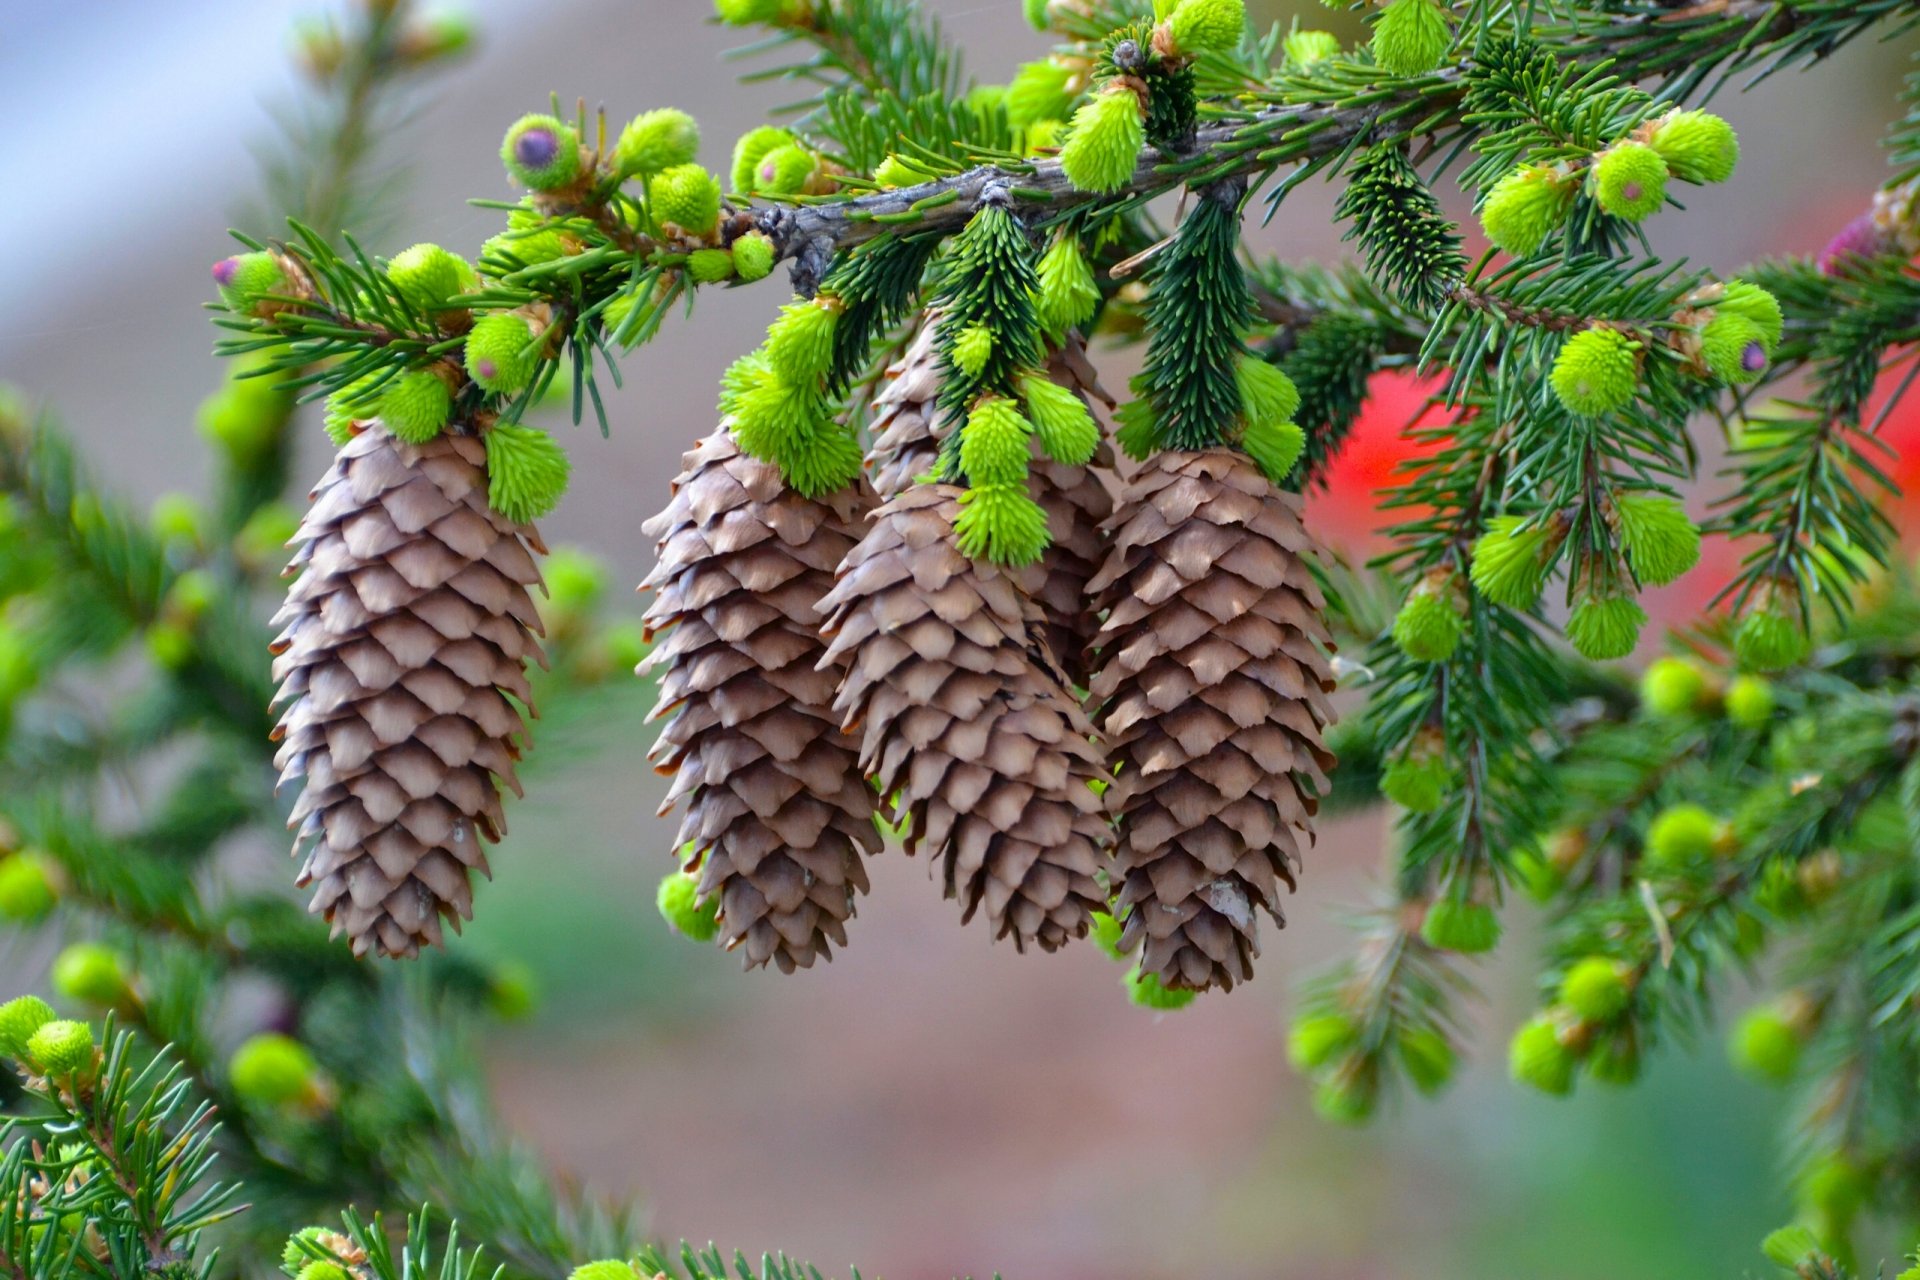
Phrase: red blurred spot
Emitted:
{"points": [[1346, 513]]}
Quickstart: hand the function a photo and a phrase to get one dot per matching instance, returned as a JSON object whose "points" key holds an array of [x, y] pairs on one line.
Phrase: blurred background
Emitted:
{"points": [[928, 1105]]}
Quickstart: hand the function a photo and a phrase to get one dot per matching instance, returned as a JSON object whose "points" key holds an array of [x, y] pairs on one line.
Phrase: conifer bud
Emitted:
{"points": [[680, 906], [1305, 48], [686, 196], [751, 149], [1274, 447], [321, 1269], [427, 276], [27, 892], [91, 974], [20, 1017], [246, 279], [1770, 638], [1036, 13], [1103, 929], [1419, 779], [415, 405], [784, 171], [527, 471], [895, 172], [800, 342], [274, 1070], [1146, 990], [1734, 348], [741, 13], [1537, 1057], [1662, 542], [1682, 835], [1698, 146], [1596, 988], [1673, 687], [1198, 26], [1315, 1041], [1267, 394], [1411, 37], [656, 140], [1630, 180], [1744, 298], [1605, 627], [1039, 91], [993, 442], [1863, 237], [1462, 925], [1104, 141], [1429, 626], [609, 1269], [61, 1048], [541, 153], [1526, 207], [1766, 1045], [1069, 295], [1001, 524], [1750, 702], [513, 250], [709, 266], [1510, 561], [1061, 419], [1596, 371], [501, 352], [753, 256], [1346, 1098], [972, 349], [1428, 1056]]}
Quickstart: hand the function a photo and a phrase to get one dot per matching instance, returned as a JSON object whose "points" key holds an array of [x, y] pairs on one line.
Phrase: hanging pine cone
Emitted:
{"points": [[778, 813], [906, 445], [1213, 694], [405, 648], [966, 726]]}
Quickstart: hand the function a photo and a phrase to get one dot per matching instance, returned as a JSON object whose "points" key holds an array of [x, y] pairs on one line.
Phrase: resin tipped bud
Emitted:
{"points": [[502, 352]]}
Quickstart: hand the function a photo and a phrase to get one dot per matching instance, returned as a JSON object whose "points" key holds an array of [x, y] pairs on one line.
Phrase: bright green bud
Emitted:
{"points": [[1105, 933], [415, 405], [678, 900], [1673, 687], [1526, 207], [1596, 989], [1510, 562], [1605, 627], [273, 1070], [656, 140], [1536, 1057], [1744, 298], [1429, 626], [427, 276], [1036, 11], [993, 442], [175, 517], [1682, 834], [1201, 25], [60, 1048], [321, 1269], [27, 889], [1104, 140], [1345, 1099], [1147, 991], [1418, 781], [1835, 1187], [751, 149], [294, 1257], [1790, 1247], [1274, 447], [1069, 295], [686, 196], [1630, 180], [1060, 418], [1698, 146], [541, 153], [355, 403], [527, 471], [800, 343], [1770, 641], [972, 349], [20, 1017], [1411, 37], [710, 266], [1267, 394], [1039, 91], [1138, 434], [502, 354], [246, 278], [737, 13], [1596, 371], [527, 248], [1304, 48], [1428, 1056], [1001, 524], [1456, 924], [894, 172], [1315, 1041], [1045, 136], [512, 991], [609, 1269], [90, 973], [784, 171], [1615, 1060], [753, 256], [1662, 542], [1765, 1045], [1750, 702], [1734, 348], [575, 579]]}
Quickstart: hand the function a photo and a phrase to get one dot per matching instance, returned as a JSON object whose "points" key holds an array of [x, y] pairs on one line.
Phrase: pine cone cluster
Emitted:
{"points": [[1213, 695], [403, 661], [778, 816]]}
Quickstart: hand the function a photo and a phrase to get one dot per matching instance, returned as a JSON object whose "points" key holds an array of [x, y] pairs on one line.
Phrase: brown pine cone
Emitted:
{"points": [[404, 651], [905, 446], [1213, 693], [966, 728], [778, 812]]}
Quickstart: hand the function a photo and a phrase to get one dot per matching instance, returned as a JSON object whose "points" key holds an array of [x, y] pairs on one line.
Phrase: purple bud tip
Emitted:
{"points": [[487, 368], [1631, 191], [536, 148], [224, 271], [1861, 238], [768, 170], [1753, 357]]}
